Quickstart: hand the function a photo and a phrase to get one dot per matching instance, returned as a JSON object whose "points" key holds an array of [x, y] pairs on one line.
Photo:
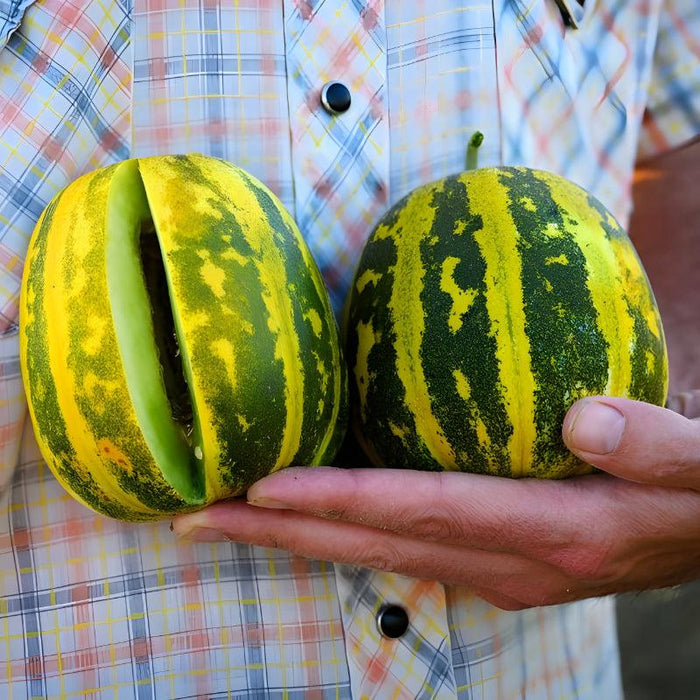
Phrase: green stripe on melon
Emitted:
{"points": [[483, 306]]}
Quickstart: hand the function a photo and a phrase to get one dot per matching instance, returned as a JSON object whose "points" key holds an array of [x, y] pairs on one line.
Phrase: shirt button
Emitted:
{"points": [[335, 98], [392, 621]]}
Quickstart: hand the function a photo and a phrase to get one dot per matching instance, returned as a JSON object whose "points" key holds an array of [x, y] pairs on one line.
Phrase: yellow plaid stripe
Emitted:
{"points": [[91, 607], [673, 108]]}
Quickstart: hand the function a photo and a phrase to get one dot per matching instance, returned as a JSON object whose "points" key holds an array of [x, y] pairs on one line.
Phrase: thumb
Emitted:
{"points": [[635, 440]]}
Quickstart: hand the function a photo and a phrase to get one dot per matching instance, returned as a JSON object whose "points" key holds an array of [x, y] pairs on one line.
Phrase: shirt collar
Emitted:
{"points": [[572, 12]]}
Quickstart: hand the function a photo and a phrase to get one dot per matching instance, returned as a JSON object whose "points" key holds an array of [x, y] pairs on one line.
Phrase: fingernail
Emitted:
{"points": [[597, 428], [263, 502], [204, 534]]}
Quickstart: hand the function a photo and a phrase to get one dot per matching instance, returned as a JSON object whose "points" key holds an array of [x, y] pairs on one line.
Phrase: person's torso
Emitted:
{"points": [[99, 604]]}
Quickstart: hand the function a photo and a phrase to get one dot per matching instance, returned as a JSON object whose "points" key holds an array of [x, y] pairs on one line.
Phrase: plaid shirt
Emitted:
{"points": [[91, 607]]}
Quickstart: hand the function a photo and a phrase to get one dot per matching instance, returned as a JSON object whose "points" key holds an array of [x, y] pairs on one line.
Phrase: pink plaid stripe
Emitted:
{"points": [[418, 665], [673, 109], [13, 407], [211, 78], [65, 102], [572, 101], [340, 164], [93, 607]]}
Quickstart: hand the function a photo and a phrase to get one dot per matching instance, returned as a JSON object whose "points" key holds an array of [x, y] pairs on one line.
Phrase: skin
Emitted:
{"points": [[524, 543]]}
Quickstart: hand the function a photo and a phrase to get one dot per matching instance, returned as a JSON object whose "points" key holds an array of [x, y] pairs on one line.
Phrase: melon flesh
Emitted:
{"points": [[143, 322]]}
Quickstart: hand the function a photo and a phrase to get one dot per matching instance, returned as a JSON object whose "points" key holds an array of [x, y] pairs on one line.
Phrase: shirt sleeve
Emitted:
{"points": [[672, 116]]}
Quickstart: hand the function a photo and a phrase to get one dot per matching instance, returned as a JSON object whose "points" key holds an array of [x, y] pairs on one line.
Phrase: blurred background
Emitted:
{"points": [[659, 631], [660, 643]]}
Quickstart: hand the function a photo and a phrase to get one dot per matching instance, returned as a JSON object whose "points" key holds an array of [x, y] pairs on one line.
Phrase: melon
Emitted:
{"points": [[484, 305], [177, 340]]}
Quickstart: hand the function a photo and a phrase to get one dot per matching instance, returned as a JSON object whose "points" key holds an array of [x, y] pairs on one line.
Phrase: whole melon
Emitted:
{"points": [[486, 304], [176, 337]]}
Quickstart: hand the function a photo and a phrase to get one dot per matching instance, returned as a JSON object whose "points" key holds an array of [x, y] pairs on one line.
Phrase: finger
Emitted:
{"points": [[635, 440], [527, 517], [508, 580]]}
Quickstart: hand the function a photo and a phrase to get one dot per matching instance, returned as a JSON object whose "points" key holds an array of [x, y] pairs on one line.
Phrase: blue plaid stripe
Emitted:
{"points": [[425, 650], [553, 79], [222, 90], [238, 615], [11, 13], [246, 584], [78, 111], [142, 671], [433, 118], [13, 405], [673, 108], [338, 162]]}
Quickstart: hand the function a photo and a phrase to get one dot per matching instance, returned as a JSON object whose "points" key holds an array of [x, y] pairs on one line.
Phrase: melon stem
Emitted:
{"points": [[473, 150]]}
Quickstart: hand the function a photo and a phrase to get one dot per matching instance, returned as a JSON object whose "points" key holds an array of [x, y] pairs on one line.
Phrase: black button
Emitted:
{"points": [[335, 98], [392, 621]]}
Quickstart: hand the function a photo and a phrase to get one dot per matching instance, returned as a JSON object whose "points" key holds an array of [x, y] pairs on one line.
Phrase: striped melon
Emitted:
{"points": [[177, 340], [483, 306]]}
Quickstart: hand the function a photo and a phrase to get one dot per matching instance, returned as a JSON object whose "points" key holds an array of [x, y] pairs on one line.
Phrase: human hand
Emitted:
{"points": [[515, 543]]}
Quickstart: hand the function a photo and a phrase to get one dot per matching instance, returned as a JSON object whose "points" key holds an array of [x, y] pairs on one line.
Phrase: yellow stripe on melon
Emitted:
{"points": [[79, 229], [414, 222], [497, 241]]}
